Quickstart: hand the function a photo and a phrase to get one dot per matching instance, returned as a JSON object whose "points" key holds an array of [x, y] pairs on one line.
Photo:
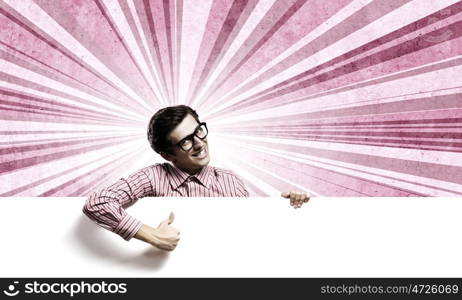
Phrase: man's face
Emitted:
{"points": [[197, 157]]}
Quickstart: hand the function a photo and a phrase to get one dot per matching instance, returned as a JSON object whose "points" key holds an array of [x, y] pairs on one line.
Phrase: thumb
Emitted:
{"points": [[171, 218], [167, 221], [285, 194]]}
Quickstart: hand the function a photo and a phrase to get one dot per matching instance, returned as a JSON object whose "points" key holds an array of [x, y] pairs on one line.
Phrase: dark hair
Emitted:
{"points": [[163, 122]]}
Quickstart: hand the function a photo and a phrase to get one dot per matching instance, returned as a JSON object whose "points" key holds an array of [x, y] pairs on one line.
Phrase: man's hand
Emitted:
{"points": [[164, 237], [296, 198]]}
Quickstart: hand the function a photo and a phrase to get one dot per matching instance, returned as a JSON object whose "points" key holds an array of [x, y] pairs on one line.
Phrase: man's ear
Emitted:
{"points": [[168, 156]]}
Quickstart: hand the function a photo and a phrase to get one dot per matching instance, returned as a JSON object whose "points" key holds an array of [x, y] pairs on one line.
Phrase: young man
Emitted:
{"points": [[179, 137]]}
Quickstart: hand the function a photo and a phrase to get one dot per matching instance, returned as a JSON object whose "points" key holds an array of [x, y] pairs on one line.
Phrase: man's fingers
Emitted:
{"points": [[171, 218], [296, 198], [170, 245], [298, 203], [299, 196], [166, 247], [285, 194]]}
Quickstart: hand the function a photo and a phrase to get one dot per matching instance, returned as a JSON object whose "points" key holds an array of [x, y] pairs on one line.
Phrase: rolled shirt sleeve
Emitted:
{"points": [[106, 206], [241, 189], [235, 184]]}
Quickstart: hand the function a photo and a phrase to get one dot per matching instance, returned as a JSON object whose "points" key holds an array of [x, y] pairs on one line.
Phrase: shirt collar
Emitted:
{"points": [[178, 177], [205, 176]]}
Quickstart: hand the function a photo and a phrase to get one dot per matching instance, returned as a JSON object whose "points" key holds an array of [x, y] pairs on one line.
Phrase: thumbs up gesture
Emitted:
{"points": [[164, 237]]}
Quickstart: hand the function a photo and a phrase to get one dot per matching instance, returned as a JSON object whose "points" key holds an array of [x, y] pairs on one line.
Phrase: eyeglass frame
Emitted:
{"points": [[191, 137]]}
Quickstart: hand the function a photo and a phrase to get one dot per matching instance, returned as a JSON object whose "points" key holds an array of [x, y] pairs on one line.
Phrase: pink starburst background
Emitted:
{"points": [[338, 97]]}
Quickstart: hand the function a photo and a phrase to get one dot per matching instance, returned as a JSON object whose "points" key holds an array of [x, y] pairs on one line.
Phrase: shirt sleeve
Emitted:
{"points": [[241, 188], [106, 206]]}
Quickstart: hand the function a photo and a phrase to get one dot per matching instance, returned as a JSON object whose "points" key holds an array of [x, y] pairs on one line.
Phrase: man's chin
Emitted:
{"points": [[199, 164], [204, 162], [201, 161]]}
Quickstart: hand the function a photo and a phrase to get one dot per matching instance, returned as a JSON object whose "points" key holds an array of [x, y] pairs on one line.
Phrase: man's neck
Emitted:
{"points": [[190, 171]]}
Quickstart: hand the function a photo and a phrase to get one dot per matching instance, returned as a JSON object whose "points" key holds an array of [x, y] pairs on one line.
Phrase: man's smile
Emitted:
{"points": [[201, 153]]}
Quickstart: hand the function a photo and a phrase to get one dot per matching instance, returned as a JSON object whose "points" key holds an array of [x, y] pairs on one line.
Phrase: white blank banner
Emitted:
{"points": [[238, 237]]}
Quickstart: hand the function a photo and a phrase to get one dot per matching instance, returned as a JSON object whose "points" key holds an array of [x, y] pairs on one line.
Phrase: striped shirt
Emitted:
{"points": [[106, 207]]}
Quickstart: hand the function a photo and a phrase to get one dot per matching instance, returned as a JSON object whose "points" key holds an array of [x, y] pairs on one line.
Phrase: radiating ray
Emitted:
{"points": [[42, 21], [418, 185], [336, 98], [316, 52], [126, 33]]}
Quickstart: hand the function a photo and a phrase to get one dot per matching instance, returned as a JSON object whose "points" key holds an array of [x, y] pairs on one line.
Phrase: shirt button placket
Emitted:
{"points": [[188, 186]]}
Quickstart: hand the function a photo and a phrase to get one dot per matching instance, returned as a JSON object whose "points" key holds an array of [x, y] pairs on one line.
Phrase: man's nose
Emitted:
{"points": [[198, 143]]}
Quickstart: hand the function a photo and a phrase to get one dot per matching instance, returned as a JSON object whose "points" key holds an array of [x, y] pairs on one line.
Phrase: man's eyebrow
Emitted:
{"points": [[199, 125]]}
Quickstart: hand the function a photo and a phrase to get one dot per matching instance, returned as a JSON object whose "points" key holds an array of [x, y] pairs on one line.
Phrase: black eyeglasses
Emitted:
{"points": [[188, 142]]}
